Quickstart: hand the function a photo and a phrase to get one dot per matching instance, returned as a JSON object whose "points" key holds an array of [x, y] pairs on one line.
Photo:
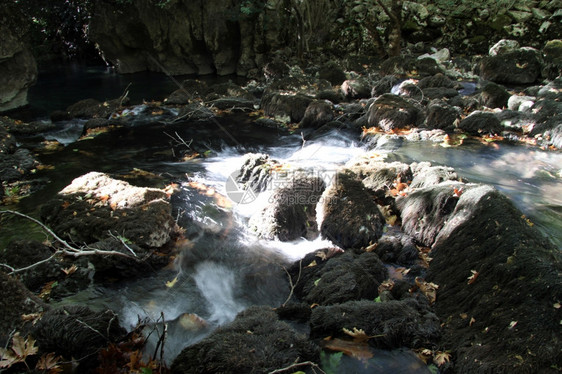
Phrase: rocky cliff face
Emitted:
{"points": [[18, 69], [183, 37]]}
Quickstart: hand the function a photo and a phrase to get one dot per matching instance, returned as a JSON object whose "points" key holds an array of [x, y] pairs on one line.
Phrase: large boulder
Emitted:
{"points": [[109, 214], [349, 217], [481, 123], [393, 324], [441, 115], [77, 333], [517, 67], [499, 287], [329, 276], [393, 112], [291, 213], [15, 301], [255, 342], [292, 107], [317, 114], [18, 69]]}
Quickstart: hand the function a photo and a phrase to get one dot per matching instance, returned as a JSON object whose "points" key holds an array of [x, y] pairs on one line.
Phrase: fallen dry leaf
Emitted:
{"points": [[428, 289], [472, 278], [440, 358], [358, 350]]}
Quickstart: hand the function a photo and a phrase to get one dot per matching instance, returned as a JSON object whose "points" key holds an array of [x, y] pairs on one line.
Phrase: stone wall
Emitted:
{"points": [[18, 69], [183, 37]]}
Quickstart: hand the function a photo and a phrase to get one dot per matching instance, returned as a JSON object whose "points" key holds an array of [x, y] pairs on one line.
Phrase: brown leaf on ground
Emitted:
{"points": [[358, 350]]}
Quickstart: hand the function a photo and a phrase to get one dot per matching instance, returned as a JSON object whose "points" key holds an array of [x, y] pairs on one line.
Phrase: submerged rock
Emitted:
{"points": [[255, 342]]}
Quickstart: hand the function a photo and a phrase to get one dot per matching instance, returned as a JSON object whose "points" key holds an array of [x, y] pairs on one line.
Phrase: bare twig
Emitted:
{"points": [[298, 364], [15, 271], [123, 242], [179, 140], [67, 250], [293, 285], [161, 340]]}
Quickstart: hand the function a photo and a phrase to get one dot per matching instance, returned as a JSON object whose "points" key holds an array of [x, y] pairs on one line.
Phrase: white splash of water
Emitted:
{"points": [[217, 285]]}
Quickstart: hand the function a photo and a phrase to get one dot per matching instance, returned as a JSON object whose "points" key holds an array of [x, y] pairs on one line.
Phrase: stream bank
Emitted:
{"points": [[384, 251]]}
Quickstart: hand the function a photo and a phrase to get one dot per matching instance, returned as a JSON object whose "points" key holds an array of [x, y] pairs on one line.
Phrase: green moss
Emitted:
{"points": [[500, 21]]}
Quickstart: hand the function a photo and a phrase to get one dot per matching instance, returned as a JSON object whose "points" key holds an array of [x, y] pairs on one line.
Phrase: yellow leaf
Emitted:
{"points": [[172, 283], [312, 264]]}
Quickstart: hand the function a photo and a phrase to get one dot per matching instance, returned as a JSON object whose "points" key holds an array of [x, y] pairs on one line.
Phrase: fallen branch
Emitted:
{"points": [[68, 249], [298, 364], [293, 285]]}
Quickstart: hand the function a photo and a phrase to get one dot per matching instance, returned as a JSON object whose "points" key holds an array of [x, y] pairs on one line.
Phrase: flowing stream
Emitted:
{"points": [[222, 267]]}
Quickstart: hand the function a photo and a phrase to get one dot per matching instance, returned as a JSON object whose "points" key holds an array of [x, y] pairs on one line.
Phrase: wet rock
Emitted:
{"points": [[255, 342], [421, 135], [441, 115], [494, 96], [20, 254], [437, 80], [329, 277], [384, 85], [91, 108], [291, 213], [190, 89], [234, 104], [504, 46], [405, 323], [411, 66], [356, 89], [255, 172], [426, 175], [393, 112], [16, 127], [520, 103], [480, 123], [552, 52], [398, 249], [16, 166], [317, 113], [7, 140], [15, 300], [517, 67], [546, 109], [110, 214], [331, 95], [18, 69], [291, 106], [491, 263], [349, 217], [77, 333], [276, 69], [332, 72], [439, 93], [425, 211]]}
